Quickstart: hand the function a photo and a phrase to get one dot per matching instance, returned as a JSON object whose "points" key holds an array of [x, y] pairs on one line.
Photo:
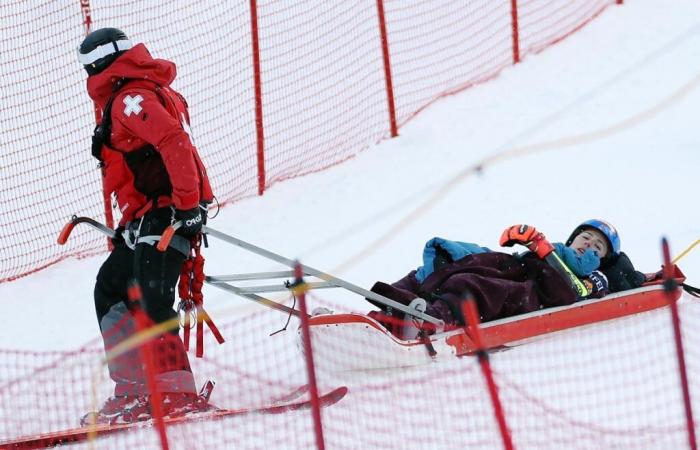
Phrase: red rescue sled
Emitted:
{"points": [[331, 330]]}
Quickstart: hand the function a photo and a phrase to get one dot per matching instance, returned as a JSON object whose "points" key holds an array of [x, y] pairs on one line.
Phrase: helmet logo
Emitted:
{"points": [[133, 105], [607, 228]]}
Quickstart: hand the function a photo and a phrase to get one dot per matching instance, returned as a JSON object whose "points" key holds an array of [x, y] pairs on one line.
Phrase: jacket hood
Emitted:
{"points": [[134, 64]]}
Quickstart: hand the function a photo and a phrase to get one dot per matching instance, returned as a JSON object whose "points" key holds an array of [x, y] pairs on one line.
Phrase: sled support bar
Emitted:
{"points": [[272, 287], [256, 298], [251, 276], [335, 282], [220, 282]]}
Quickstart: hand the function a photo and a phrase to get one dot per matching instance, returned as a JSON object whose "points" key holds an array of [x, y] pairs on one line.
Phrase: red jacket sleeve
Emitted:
{"points": [[142, 113]]}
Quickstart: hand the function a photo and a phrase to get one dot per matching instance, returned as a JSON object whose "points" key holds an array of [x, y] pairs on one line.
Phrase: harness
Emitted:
{"points": [[132, 236]]}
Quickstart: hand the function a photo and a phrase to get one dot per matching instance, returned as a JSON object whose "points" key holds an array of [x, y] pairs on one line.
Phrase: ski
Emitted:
{"points": [[91, 432], [292, 395]]}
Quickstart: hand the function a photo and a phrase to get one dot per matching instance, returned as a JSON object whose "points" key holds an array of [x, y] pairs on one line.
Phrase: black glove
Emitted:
{"points": [[192, 221], [622, 275], [597, 284], [98, 140]]}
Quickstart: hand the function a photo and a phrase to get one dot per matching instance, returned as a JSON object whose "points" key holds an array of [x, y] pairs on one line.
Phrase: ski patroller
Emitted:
{"points": [[83, 434], [287, 403]]}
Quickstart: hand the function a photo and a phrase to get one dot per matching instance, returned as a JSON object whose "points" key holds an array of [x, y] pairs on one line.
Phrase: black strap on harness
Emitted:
{"points": [[101, 136], [692, 290], [424, 338]]}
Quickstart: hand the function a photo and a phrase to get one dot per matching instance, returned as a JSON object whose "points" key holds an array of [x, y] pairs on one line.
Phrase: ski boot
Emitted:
{"points": [[175, 404], [112, 408]]}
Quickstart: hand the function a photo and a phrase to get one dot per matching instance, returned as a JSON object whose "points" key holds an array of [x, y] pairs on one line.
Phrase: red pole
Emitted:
{"points": [[106, 203], [135, 296], [670, 285], [306, 337], [387, 68], [472, 315], [258, 96], [516, 33]]}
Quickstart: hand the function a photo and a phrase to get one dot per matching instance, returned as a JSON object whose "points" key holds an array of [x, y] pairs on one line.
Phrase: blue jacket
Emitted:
{"points": [[457, 250], [581, 265]]}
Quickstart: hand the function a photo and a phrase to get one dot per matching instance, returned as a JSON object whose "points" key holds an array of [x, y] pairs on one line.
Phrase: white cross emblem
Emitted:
{"points": [[132, 105], [186, 127]]}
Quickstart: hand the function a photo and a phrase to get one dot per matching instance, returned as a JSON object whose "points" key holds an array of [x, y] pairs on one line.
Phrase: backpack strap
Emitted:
{"points": [[103, 130]]}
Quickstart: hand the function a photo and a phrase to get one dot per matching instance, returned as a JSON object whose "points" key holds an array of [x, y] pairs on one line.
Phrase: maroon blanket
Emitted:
{"points": [[502, 284]]}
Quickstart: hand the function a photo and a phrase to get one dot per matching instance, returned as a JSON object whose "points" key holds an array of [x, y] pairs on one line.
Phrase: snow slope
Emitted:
{"points": [[601, 125]]}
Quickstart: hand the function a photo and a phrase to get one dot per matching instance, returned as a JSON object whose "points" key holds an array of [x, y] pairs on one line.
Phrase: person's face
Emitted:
{"points": [[593, 239]]}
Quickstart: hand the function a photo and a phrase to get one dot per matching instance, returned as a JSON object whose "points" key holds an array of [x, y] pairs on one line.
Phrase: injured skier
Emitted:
{"points": [[589, 265]]}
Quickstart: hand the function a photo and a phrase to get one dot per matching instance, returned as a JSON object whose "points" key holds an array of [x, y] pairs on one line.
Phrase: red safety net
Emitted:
{"points": [[613, 384], [326, 87], [323, 85]]}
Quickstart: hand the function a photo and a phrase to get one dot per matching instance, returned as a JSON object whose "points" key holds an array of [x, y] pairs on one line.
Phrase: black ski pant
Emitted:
{"points": [[157, 274]]}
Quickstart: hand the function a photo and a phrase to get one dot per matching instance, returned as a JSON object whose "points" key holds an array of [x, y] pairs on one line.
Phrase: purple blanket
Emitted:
{"points": [[503, 285]]}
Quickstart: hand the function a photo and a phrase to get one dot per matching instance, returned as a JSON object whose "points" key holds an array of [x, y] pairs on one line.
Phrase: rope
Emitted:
{"points": [[685, 252]]}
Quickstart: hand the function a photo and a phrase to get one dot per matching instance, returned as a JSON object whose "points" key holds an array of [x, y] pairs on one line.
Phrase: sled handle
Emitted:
{"points": [[75, 220], [65, 233]]}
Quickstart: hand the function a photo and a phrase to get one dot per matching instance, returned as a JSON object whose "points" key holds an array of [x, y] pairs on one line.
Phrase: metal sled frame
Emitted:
{"points": [[323, 281], [251, 292]]}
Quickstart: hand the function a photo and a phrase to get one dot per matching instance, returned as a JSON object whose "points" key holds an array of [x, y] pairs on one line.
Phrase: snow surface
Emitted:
{"points": [[602, 125]]}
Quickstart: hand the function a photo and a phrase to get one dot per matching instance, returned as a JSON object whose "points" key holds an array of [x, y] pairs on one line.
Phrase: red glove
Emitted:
{"points": [[529, 237]]}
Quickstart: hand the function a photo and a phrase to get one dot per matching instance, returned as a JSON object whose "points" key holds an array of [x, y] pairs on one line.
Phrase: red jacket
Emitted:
{"points": [[147, 111]]}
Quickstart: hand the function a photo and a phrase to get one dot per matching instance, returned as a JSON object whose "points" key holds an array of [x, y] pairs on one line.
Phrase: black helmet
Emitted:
{"points": [[101, 47]]}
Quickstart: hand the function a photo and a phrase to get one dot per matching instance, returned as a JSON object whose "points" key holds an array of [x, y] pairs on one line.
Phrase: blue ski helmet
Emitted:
{"points": [[604, 227]]}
